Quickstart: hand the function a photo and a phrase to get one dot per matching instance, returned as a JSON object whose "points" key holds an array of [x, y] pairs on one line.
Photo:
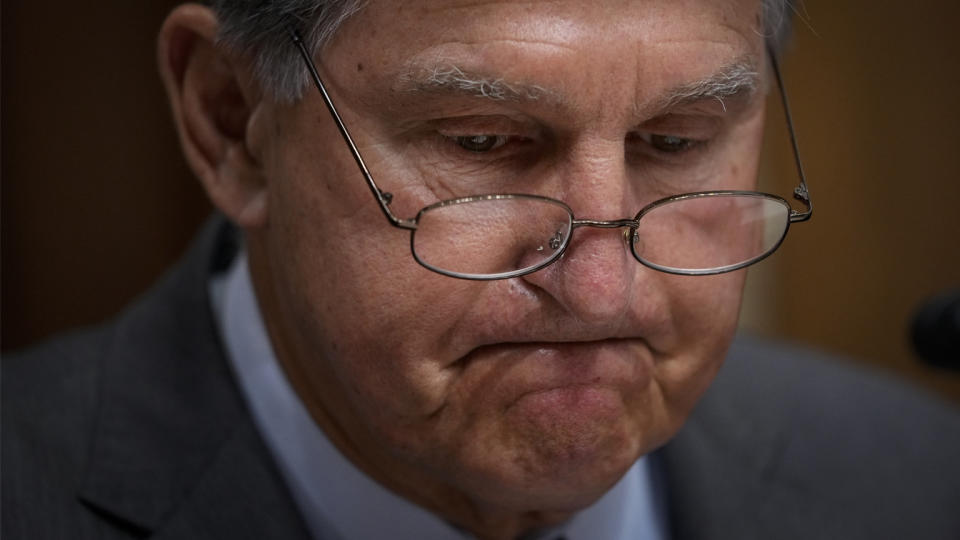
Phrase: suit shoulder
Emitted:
{"points": [[49, 407], [815, 447], [819, 391], [845, 432], [60, 371]]}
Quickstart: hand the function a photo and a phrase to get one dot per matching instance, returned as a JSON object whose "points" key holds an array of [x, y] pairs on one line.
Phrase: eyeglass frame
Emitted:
{"points": [[384, 198]]}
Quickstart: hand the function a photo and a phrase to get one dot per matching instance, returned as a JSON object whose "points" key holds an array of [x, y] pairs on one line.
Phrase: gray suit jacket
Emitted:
{"points": [[137, 429]]}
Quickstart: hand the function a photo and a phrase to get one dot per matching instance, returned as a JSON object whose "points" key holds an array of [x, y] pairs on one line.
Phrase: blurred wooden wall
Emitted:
{"points": [[874, 88], [96, 199]]}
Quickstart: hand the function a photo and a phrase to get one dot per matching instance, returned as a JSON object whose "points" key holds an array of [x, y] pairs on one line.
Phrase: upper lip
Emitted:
{"points": [[563, 340], [543, 324], [545, 328], [542, 344], [535, 366]]}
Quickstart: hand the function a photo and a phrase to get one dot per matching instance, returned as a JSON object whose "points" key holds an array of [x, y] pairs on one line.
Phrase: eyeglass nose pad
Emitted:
{"points": [[629, 235]]}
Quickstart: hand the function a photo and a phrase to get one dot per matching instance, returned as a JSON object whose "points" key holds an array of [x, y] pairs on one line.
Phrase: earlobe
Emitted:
{"points": [[213, 98]]}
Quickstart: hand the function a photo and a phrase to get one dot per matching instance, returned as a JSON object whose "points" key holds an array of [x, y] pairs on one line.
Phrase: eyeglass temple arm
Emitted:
{"points": [[801, 193], [383, 197]]}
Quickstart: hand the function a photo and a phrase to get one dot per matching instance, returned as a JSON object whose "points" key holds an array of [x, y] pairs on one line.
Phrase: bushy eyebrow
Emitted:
{"points": [[739, 78], [449, 78], [735, 80]]}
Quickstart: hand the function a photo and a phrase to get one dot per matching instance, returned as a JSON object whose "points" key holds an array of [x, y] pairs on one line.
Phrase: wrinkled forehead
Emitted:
{"points": [[651, 39], [405, 25]]}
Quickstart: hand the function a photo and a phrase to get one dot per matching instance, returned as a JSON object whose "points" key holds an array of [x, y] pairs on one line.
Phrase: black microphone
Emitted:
{"points": [[935, 331]]}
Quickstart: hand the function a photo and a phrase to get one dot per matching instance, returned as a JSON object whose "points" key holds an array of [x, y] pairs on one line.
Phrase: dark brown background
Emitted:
{"points": [[97, 201]]}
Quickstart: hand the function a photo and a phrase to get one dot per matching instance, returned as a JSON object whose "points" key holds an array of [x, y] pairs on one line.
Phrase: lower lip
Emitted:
{"points": [[561, 383]]}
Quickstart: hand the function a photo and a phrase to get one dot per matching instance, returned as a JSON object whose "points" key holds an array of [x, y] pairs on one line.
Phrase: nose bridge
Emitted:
{"points": [[602, 244], [594, 177], [627, 226], [595, 278], [599, 192]]}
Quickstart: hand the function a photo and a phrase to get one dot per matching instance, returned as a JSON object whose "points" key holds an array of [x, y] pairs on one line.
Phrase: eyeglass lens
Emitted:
{"points": [[487, 237], [494, 237], [711, 233]]}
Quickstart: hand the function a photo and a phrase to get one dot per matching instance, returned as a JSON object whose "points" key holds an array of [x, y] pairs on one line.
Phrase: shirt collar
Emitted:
{"points": [[334, 496]]}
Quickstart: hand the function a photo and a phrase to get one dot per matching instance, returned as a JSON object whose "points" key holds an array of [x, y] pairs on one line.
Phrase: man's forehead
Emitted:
{"points": [[557, 20], [506, 55]]}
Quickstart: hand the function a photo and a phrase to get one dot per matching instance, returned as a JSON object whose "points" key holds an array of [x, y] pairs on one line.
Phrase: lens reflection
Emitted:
{"points": [[710, 232], [487, 236], [496, 236]]}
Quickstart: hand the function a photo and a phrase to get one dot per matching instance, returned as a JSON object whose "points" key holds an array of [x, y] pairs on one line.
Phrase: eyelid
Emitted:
{"points": [[685, 146], [719, 107], [457, 133], [706, 107], [499, 141], [689, 126], [697, 130], [486, 125], [645, 136]]}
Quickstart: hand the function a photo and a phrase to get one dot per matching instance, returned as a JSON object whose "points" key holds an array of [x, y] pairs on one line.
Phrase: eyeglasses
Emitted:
{"points": [[505, 235]]}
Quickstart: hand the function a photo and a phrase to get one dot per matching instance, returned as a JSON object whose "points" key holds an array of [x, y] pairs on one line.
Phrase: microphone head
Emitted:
{"points": [[935, 331]]}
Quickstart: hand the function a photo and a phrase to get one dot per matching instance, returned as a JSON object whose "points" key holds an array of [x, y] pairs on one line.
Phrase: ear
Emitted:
{"points": [[213, 97]]}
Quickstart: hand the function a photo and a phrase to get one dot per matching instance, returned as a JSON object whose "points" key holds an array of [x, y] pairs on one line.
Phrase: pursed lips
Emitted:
{"points": [[511, 371]]}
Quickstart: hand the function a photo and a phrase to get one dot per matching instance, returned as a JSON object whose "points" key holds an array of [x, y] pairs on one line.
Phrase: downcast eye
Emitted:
{"points": [[480, 143], [669, 143]]}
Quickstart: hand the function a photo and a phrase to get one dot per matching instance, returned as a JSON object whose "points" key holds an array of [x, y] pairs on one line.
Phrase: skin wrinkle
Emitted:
{"points": [[738, 81], [485, 3], [514, 41], [281, 73]]}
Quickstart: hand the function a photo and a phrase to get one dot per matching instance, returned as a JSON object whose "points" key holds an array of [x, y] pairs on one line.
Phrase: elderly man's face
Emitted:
{"points": [[533, 393]]}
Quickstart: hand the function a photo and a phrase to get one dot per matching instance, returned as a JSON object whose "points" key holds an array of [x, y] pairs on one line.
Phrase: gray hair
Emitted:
{"points": [[259, 29]]}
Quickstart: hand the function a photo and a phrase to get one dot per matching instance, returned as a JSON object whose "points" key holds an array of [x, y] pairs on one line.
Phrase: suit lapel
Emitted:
{"points": [[174, 444], [239, 496]]}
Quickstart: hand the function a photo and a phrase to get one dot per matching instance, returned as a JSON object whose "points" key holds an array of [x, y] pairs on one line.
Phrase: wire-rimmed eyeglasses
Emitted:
{"points": [[505, 235]]}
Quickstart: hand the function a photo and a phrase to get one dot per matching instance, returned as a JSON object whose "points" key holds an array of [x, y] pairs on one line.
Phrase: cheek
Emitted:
{"points": [[704, 315], [371, 319]]}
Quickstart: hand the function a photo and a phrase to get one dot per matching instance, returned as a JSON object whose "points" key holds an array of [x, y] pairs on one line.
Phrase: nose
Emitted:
{"points": [[596, 278]]}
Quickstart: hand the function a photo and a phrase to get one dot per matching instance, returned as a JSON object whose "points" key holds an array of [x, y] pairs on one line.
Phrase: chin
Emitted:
{"points": [[551, 463]]}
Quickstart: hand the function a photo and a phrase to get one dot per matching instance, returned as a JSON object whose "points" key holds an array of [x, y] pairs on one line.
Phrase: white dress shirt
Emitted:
{"points": [[340, 502]]}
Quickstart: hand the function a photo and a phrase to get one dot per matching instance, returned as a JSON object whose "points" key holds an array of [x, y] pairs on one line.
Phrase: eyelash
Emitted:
{"points": [[488, 155], [670, 144]]}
